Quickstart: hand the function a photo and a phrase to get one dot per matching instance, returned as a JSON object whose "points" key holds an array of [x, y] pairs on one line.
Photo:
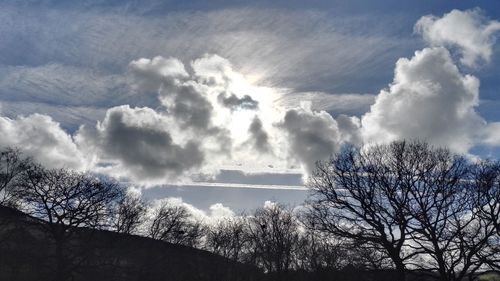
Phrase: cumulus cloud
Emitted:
{"points": [[213, 70], [204, 114], [186, 100], [312, 136], [350, 128], [470, 32], [188, 92], [156, 73], [429, 99], [209, 116], [138, 141], [490, 134], [219, 211], [195, 129], [43, 139], [215, 212], [259, 138], [191, 108], [233, 102]]}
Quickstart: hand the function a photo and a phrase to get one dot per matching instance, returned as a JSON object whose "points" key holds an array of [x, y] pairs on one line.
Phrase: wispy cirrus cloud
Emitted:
{"points": [[62, 54]]}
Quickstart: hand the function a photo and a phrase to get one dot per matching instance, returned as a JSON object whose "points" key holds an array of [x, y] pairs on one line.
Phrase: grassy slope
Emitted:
{"points": [[26, 253]]}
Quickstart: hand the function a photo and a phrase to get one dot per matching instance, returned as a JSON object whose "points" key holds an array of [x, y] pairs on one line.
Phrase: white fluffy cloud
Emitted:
{"points": [[208, 117], [43, 139], [215, 212], [468, 31], [429, 99], [202, 116], [490, 135], [259, 138], [151, 74], [313, 136], [218, 211], [138, 142]]}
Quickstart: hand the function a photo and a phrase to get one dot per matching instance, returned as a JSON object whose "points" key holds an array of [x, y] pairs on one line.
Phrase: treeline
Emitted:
{"points": [[406, 208]]}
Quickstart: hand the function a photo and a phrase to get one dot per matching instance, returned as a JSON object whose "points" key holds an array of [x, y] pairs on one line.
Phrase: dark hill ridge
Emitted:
{"points": [[26, 253]]}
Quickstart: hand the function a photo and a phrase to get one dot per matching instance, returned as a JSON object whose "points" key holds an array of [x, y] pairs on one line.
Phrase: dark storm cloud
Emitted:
{"points": [[139, 140], [259, 137], [313, 136], [349, 127], [234, 103], [191, 108], [183, 98]]}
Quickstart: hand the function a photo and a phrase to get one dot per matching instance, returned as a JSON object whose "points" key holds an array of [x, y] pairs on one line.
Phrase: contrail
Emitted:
{"points": [[242, 185]]}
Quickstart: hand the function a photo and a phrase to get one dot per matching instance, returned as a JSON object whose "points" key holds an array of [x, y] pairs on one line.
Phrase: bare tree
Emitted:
{"points": [[316, 251], [273, 235], [12, 164], [320, 250], [421, 205], [366, 256], [363, 195], [447, 228], [486, 180], [228, 238], [174, 224], [66, 200], [130, 214]]}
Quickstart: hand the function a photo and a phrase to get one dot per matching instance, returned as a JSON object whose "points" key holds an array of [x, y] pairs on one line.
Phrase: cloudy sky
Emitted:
{"points": [[227, 104]]}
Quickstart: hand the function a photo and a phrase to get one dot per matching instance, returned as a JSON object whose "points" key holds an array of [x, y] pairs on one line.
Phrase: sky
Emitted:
{"points": [[224, 105]]}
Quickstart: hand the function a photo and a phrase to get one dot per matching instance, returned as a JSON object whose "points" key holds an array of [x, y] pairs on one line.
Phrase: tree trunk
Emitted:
{"points": [[400, 271]]}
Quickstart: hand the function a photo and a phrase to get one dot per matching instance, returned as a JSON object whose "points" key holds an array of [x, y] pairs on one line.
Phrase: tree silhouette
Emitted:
{"points": [[447, 228], [425, 207], [67, 201], [12, 165], [273, 235], [174, 224], [363, 195], [316, 251], [486, 178], [130, 214], [228, 238], [379, 212]]}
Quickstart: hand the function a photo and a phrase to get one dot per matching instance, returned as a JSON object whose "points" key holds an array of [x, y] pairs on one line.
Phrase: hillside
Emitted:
{"points": [[26, 253]]}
